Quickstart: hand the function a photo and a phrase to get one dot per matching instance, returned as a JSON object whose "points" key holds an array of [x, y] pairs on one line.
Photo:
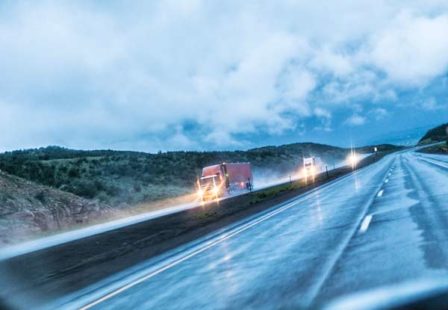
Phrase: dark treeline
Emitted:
{"points": [[436, 134], [118, 177]]}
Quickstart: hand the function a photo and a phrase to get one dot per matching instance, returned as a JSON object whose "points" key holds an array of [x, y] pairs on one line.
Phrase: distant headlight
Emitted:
{"points": [[353, 159], [200, 193], [305, 173]]}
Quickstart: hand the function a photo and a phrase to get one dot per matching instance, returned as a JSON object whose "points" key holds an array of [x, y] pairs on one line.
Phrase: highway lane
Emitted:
{"points": [[407, 238], [381, 225], [302, 242]]}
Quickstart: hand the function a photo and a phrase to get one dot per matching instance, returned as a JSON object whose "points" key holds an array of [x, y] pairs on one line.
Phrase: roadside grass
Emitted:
{"points": [[117, 178], [435, 149], [211, 211]]}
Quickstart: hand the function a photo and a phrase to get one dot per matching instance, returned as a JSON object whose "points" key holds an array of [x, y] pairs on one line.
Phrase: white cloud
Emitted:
{"points": [[85, 74], [379, 113], [355, 120], [339, 64], [298, 84], [414, 49], [320, 112], [431, 104], [325, 119]]}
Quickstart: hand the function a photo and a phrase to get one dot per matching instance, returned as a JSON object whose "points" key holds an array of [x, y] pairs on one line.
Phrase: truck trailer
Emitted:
{"points": [[222, 179]]}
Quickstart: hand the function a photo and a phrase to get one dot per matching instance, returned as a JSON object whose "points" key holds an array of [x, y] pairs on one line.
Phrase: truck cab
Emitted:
{"points": [[309, 168], [219, 180], [210, 187]]}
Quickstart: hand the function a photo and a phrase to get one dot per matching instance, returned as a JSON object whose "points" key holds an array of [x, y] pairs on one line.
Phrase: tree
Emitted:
{"points": [[73, 173]]}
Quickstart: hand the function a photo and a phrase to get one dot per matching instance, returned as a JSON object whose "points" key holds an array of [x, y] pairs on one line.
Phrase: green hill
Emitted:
{"points": [[118, 177], [437, 134]]}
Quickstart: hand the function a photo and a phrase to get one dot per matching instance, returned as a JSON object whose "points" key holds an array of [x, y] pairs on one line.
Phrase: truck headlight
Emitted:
{"points": [[352, 159]]}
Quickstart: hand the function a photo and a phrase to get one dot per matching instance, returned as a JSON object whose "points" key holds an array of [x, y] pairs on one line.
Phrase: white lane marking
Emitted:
{"points": [[223, 238], [434, 161], [186, 257], [380, 193], [329, 266], [77, 234], [386, 181], [365, 223]]}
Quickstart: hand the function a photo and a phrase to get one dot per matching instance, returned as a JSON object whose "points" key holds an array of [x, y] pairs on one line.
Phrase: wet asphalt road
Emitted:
{"points": [[382, 225]]}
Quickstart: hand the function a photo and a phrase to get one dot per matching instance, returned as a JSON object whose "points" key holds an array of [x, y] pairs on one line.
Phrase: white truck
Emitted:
{"points": [[311, 167]]}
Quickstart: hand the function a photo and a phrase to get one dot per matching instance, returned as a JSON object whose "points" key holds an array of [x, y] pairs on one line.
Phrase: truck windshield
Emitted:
{"points": [[208, 182]]}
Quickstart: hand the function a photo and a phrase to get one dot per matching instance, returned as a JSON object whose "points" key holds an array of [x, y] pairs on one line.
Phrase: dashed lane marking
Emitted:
{"points": [[365, 223]]}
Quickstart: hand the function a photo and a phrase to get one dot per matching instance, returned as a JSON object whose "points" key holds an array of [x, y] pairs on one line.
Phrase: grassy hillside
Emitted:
{"points": [[52, 189], [436, 134], [116, 177], [28, 209], [131, 177]]}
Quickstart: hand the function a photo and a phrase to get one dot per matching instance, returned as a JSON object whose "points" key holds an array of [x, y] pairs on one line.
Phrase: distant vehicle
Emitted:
{"points": [[219, 180], [311, 166]]}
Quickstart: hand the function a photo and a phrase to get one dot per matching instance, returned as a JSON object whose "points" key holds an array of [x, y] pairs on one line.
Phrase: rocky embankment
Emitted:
{"points": [[29, 210]]}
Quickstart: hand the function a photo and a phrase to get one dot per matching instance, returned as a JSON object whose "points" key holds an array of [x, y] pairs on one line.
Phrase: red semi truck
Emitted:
{"points": [[218, 180]]}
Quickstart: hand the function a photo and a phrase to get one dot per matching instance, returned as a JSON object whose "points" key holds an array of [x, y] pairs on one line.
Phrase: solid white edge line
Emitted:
{"points": [[213, 243], [184, 258]]}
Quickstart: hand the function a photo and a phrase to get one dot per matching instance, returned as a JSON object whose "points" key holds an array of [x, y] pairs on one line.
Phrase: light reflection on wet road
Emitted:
{"points": [[313, 249]]}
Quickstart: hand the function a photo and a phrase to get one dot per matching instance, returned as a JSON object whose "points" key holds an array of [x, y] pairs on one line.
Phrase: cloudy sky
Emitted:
{"points": [[192, 74]]}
